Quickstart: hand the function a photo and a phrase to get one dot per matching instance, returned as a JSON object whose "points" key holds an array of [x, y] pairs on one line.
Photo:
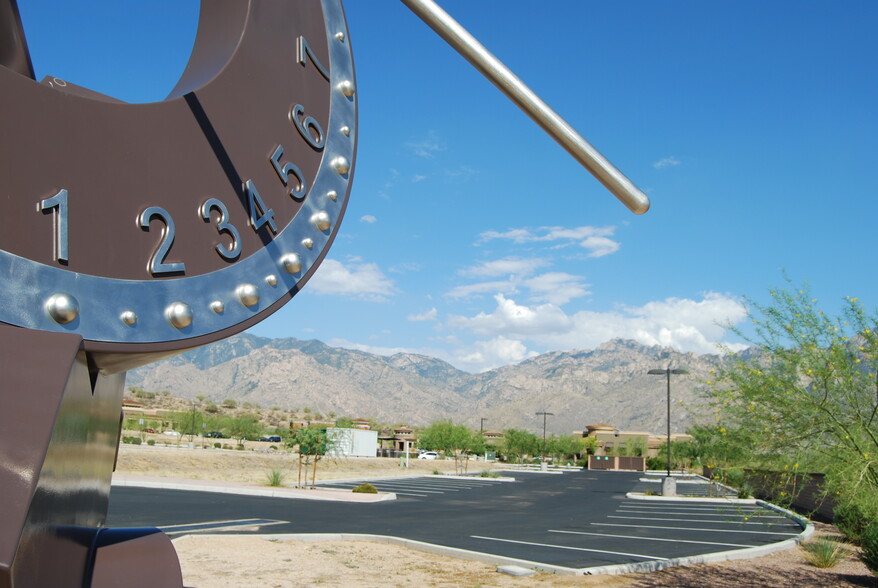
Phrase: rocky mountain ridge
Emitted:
{"points": [[607, 384]]}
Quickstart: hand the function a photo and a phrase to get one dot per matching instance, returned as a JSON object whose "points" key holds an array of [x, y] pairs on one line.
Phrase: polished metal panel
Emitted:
{"points": [[540, 112], [63, 308]]}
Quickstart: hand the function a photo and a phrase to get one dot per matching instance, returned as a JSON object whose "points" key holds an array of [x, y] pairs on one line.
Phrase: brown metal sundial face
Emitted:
{"points": [[153, 227]]}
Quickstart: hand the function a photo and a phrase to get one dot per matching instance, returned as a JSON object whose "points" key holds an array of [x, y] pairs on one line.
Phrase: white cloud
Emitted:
{"points": [[359, 280], [595, 239], [558, 288], [513, 319], [683, 324], [368, 218], [506, 287], [497, 352], [430, 315], [427, 146], [666, 162], [503, 267], [418, 178]]}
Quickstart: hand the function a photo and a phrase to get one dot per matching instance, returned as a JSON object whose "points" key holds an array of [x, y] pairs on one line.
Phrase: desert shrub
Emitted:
{"points": [[133, 440], [218, 445], [240, 447], [226, 446], [823, 553], [436, 472], [275, 477], [850, 520], [366, 488], [489, 474], [869, 544], [150, 442], [656, 463]]}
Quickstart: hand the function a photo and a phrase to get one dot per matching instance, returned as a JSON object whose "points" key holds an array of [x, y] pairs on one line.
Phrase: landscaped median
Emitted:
{"points": [[330, 494]]}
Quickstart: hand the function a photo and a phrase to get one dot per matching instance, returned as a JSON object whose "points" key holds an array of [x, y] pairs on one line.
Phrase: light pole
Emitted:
{"points": [[482, 425], [667, 372], [544, 414]]}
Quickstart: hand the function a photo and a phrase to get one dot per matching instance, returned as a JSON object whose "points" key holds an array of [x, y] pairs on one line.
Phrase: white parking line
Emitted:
{"points": [[682, 520], [703, 514], [650, 538], [694, 529], [568, 547]]}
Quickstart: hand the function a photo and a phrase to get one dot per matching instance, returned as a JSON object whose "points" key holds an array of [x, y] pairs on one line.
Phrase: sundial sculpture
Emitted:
{"points": [[133, 232]]}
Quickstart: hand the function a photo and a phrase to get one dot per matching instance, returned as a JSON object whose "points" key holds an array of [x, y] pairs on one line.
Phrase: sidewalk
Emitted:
{"points": [[328, 494]]}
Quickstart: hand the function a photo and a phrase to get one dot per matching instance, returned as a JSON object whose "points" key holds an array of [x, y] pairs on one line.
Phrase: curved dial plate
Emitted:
{"points": [[147, 227]]}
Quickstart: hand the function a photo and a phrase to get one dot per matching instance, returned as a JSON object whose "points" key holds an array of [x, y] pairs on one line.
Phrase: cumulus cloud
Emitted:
{"points": [[430, 315], [682, 324], [666, 162], [497, 352], [368, 218], [359, 280]]}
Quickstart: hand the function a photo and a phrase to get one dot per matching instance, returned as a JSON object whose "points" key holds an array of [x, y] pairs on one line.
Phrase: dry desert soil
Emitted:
{"points": [[247, 561]]}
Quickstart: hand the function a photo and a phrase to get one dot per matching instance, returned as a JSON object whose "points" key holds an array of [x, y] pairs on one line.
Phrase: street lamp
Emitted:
{"points": [[482, 425], [544, 415], [667, 372]]}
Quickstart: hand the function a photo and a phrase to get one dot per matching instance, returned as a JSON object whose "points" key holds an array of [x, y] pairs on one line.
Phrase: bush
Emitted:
{"points": [[366, 488], [823, 553], [851, 520], [869, 544], [656, 463], [150, 442], [275, 477], [489, 474], [133, 440], [218, 445]]}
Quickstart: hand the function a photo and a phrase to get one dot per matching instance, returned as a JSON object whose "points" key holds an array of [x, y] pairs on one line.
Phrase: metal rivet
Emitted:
{"points": [[271, 280], [248, 294], [321, 221], [340, 36], [129, 317], [347, 88], [291, 263], [63, 308], [332, 195], [217, 306], [345, 130], [179, 314], [308, 242], [341, 165]]}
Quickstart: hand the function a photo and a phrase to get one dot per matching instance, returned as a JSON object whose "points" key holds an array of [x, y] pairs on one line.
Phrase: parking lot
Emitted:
{"points": [[574, 522]]}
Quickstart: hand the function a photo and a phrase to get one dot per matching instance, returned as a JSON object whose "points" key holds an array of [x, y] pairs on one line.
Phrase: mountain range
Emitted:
{"points": [[608, 384]]}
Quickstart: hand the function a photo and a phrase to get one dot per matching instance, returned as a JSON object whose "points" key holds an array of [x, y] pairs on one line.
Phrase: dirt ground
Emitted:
{"points": [[247, 561]]}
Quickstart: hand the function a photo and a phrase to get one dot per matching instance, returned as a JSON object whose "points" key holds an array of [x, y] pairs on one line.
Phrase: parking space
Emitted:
{"points": [[566, 522]]}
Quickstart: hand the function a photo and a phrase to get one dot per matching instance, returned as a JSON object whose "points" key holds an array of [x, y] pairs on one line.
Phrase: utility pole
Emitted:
{"points": [[482, 425], [544, 414]]}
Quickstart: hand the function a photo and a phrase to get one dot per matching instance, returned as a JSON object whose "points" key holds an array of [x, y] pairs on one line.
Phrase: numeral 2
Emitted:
{"points": [[157, 264]]}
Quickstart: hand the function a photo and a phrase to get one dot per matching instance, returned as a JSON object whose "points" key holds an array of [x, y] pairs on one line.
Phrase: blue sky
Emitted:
{"points": [[471, 236]]}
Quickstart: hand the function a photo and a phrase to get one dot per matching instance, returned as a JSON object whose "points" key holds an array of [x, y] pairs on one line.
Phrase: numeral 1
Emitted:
{"points": [[59, 202]]}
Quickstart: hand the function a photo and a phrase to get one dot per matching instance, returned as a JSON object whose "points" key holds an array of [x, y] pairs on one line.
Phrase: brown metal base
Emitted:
{"points": [[59, 432]]}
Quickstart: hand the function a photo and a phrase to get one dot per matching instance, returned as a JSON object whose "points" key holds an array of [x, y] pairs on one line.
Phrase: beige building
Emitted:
{"points": [[611, 440]]}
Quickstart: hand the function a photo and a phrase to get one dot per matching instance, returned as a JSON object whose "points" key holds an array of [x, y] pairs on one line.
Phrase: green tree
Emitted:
{"points": [[458, 441], [634, 447], [230, 403], [189, 422], [344, 422], [311, 444], [806, 398], [244, 426], [517, 444]]}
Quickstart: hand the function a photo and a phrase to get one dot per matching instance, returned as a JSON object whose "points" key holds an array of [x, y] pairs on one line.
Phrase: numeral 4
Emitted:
{"points": [[260, 214]]}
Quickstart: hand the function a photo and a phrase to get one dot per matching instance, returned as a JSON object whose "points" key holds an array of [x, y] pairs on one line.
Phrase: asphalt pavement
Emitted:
{"points": [[576, 522]]}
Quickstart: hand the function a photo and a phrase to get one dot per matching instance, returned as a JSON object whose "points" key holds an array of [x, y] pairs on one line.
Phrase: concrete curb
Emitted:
{"points": [[327, 494]]}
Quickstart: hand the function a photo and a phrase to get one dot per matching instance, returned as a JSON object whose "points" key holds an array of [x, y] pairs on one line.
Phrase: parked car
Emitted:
{"points": [[172, 432], [149, 430], [217, 435], [429, 455], [272, 439]]}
